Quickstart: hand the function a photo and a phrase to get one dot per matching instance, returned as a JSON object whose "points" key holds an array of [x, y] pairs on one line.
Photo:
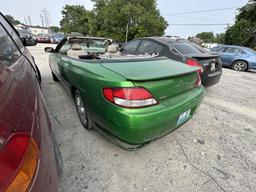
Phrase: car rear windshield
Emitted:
{"points": [[187, 48]]}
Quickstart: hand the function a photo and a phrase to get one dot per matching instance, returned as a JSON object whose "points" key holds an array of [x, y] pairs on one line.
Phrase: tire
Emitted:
{"points": [[82, 111], [54, 78], [58, 157], [240, 66]]}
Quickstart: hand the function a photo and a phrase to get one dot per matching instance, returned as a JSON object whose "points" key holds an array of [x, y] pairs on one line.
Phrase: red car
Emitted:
{"points": [[28, 152], [42, 38]]}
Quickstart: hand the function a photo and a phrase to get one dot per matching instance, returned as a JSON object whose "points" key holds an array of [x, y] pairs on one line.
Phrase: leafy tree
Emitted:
{"points": [[112, 18], [243, 32], [220, 38], [248, 12], [12, 20], [237, 33], [55, 29], [74, 19], [207, 37]]}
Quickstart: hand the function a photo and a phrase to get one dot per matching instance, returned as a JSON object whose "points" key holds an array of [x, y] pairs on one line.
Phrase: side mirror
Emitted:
{"points": [[28, 41], [49, 50]]}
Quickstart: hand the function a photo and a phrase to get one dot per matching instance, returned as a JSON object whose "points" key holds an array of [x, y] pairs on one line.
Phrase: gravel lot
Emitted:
{"points": [[215, 151]]}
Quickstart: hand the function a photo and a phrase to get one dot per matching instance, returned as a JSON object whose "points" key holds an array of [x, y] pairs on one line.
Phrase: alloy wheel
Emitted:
{"points": [[81, 110], [240, 66]]}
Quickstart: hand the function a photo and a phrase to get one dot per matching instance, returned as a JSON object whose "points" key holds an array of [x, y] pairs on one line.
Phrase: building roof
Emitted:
{"points": [[37, 27]]}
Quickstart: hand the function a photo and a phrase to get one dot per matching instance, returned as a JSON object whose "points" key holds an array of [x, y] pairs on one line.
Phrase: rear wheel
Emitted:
{"points": [[82, 111], [54, 78], [240, 66]]}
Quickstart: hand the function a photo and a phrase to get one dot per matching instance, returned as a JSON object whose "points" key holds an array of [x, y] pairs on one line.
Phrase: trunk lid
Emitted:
{"points": [[210, 63], [162, 77], [148, 69]]}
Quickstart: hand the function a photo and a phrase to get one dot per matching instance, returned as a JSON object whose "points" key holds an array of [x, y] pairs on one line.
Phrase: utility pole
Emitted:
{"points": [[45, 17], [25, 21], [42, 20], [128, 22], [29, 20]]}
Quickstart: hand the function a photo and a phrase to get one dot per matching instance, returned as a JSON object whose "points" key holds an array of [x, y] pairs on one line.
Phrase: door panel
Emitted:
{"points": [[228, 56]]}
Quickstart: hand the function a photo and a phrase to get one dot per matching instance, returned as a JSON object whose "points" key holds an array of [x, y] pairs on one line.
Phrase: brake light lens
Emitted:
{"points": [[198, 81], [135, 97], [194, 63], [18, 162]]}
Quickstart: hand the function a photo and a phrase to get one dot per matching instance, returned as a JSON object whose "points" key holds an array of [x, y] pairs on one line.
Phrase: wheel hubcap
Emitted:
{"points": [[81, 110], [240, 66]]}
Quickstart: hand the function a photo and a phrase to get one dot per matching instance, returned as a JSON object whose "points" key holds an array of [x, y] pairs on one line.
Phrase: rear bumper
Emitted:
{"points": [[211, 78], [138, 126]]}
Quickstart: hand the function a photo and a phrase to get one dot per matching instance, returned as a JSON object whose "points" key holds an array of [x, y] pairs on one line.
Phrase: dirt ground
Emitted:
{"points": [[214, 151]]}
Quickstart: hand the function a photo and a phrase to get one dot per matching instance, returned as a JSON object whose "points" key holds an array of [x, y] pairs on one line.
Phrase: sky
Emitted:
{"points": [[170, 9]]}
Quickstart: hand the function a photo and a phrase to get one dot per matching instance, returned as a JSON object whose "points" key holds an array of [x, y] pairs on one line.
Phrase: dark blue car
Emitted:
{"points": [[237, 57]]}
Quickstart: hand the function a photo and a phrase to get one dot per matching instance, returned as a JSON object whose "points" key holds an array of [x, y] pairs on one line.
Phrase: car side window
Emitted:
{"points": [[241, 52], [218, 49], [64, 48], [149, 47], [9, 53], [130, 47], [11, 31], [232, 50]]}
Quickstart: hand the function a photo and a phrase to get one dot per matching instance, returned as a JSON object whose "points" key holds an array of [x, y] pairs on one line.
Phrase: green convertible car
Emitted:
{"points": [[131, 99]]}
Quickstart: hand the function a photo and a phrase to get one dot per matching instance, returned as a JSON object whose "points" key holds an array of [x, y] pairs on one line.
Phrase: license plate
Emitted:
{"points": [[184, 117], [213, 66]]}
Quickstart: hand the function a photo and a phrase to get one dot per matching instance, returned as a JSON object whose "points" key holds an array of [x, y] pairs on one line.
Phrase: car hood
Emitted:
{"points": [[148, 69]]}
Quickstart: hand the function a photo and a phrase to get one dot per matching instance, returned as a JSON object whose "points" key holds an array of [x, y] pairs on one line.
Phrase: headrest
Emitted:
{"points": [[76, 46], [112, 48]]}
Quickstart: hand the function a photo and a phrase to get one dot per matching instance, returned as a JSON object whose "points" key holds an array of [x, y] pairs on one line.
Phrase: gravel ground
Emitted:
{"points": [[214, 151]]}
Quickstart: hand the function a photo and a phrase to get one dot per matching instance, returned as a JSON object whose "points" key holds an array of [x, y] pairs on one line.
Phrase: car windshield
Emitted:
{"points": [[41, 35], [97, 44], [58, 35], [186, 48]]}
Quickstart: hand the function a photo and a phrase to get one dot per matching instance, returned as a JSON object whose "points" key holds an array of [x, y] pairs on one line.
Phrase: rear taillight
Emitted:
{"points": [[129, 97], [198, 80], [18, 162], [195, 63]]}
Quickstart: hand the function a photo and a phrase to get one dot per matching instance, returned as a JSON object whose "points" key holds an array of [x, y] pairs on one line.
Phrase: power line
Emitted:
{"points": [[201, 11]]}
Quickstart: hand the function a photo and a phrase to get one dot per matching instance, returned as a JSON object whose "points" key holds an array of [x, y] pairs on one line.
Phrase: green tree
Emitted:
{"points": [[12, 20], [207, 37], [243, 32], [55, 29], [112, 18], [237, 33], [220, 38], [75, 18]]}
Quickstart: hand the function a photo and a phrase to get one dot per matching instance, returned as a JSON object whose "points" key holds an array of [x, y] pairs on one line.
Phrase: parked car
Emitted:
{"points": [[131, 99], [236, 57], [179, 50], [42, 38], [26, 37], [27, 150], [56, 37]]}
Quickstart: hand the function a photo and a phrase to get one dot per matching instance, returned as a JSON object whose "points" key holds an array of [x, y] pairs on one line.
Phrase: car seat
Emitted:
{"points": [[76, 50]]}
